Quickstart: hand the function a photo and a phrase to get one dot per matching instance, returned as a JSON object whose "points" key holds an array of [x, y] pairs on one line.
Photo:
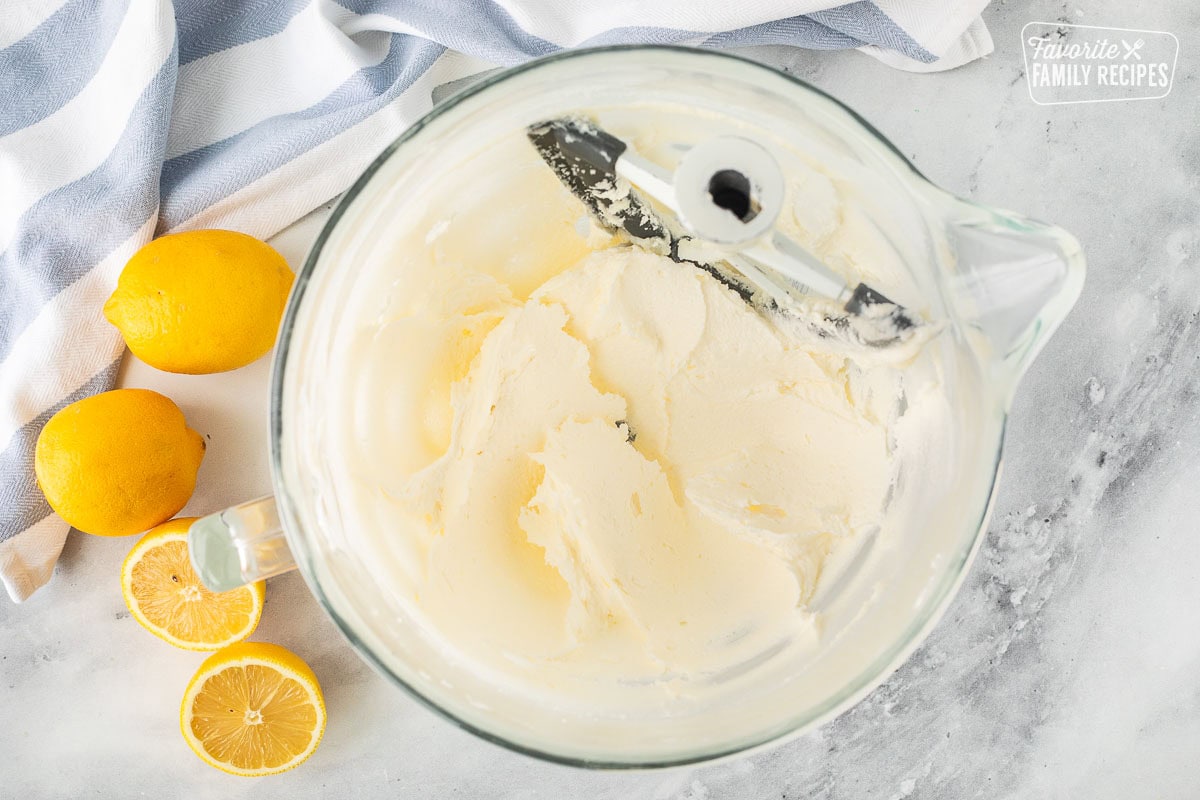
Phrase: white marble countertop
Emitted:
{"points": [[1069, 664]]}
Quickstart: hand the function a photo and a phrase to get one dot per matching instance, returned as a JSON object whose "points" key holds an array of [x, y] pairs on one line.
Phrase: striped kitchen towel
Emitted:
{"points": [[122, 119]]}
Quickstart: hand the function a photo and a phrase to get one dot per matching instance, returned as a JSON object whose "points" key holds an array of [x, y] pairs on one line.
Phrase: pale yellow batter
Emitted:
{"points": [[630, 474]]}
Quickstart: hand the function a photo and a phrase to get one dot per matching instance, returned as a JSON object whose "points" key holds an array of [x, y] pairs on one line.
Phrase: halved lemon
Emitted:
{"points": [[253, 709], [166, 597]]}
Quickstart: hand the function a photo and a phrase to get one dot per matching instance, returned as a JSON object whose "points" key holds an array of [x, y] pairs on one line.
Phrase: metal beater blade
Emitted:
{"points": [[725, 194]]}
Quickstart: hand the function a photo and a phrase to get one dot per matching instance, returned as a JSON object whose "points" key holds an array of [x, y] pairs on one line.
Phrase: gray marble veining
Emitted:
{"points": [[1068, 665]]}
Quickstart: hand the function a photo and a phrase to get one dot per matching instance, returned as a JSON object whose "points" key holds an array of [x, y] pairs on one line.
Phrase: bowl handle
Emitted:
{"points": [[1013, 281], [240, 545]]}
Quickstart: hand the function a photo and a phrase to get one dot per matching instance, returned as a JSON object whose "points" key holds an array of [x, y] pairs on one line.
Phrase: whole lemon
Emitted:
{"points": [[119, 462], [201, 301]]}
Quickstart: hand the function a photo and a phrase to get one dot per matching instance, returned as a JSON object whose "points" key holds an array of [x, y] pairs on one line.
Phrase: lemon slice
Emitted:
{"points": [[166, 597], [253, 709]]}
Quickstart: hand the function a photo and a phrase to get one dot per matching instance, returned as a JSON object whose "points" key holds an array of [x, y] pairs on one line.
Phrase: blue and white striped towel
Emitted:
{"points": [[120, 119]]}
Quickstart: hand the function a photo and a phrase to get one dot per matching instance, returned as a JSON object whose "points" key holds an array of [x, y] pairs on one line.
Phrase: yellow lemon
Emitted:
{"points": [[253, 709], [118, 463], [201, 301], [165, 595]]}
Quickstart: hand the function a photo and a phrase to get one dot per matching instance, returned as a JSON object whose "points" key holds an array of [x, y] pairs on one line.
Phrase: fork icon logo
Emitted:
{"points": [[1132, 49]]}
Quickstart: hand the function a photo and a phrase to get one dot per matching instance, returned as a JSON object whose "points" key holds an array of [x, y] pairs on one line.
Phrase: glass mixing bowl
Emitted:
{"points": [[997, 284]]}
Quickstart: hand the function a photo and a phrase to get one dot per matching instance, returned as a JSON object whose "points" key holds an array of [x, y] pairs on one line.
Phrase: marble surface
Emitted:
{"points": [[1069, 664]]}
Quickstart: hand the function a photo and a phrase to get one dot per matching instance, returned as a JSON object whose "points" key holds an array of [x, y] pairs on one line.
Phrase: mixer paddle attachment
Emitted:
{"points": [[723, 199]]}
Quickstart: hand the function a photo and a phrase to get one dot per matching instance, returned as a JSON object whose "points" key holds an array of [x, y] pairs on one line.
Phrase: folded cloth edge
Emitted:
{"points": [[27, 560]]}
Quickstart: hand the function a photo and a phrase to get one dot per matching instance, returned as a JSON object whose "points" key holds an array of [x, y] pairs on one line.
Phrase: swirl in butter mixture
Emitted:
{"points": [[633, 473]]}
